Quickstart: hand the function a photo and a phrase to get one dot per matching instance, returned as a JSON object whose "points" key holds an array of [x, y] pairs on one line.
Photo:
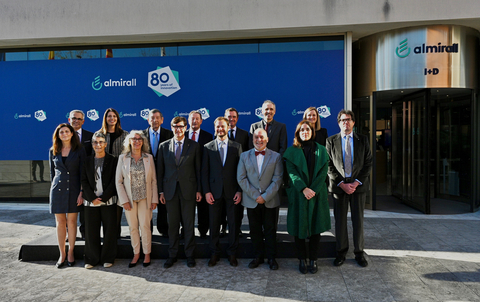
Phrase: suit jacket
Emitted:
{"points": [[186, 173], [277, 136], [267, 183], [87, 141], [216, 177], [108, 178], [362, 162], [165, 135], [124, 184], [203, 137], [242, 137]]}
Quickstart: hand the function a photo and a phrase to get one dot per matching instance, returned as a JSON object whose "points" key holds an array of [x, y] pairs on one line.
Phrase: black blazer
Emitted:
{"points": [[203, 138], [362, 162], [218, 178], [108, 178], [165, 135], [186, 173], [321, 136], [242, 137], [87, 141], [277, 136]]}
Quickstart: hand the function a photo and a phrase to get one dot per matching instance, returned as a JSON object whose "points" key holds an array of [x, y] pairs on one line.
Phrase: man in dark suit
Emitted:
{"points": [[240, 136], [156, 135], [179, 187], [219, 183], [202, 137], [348, 170], [260, 175], [76, 120], [276, 131]]}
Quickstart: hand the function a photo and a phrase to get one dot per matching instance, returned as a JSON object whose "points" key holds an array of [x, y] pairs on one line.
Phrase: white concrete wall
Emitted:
{"points": [[65, 22]]}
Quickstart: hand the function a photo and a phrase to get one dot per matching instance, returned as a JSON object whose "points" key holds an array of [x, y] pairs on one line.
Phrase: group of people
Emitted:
{"points": [[179, 171]]}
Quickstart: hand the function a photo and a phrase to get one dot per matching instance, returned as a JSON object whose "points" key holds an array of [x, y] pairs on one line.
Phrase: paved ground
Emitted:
{"points": [[413, 257]]}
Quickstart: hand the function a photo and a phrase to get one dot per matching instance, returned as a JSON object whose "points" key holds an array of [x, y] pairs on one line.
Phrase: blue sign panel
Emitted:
{"points": [[38, 95]]}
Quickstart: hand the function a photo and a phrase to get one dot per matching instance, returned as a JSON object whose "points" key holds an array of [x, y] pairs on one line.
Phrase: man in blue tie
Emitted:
{"points": [[156, 135]]}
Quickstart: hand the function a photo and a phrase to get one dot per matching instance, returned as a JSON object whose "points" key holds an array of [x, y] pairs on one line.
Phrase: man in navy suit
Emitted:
{"points": [[156, 135], [202, 137], [348, 169], [76, 119], [179, 187], [260, 175], [219, 182]]}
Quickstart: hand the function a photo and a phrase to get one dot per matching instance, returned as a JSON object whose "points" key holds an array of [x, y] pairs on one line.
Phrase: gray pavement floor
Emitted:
{"points": [[412, 257]]}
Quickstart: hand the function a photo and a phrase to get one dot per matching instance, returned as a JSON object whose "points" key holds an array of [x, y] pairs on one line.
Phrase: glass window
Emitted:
{"points": [[16, 56], [300, 46], [219, 49]]}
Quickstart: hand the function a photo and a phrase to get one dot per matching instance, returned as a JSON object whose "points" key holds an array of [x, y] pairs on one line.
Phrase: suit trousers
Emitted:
{"points": [[313, 244], [215, 213], [181, 209], [81, 218], [162, 223], [95, 217], [138, 219], [340, 211], [202, 216], [119, 221], [263, 225]]}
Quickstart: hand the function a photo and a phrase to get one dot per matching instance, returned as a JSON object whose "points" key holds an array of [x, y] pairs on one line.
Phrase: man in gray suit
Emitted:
{"points": [[348, 170], [178, 179], [259, 174], [276, 131]]}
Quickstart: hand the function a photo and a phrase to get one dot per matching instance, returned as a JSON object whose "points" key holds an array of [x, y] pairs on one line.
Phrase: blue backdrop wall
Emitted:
{"points": [[38, 95]]}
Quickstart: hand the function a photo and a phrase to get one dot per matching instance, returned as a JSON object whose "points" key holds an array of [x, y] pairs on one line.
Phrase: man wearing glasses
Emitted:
{"points": [[348, 170], [76, 120], [179, 187]]}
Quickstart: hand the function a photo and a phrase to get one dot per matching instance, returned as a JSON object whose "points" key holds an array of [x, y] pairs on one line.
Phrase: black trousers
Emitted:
{"points": [[202, 216], [313, 245], [263, 226], [95, 253], [81, 217], [340, 211], [119, 221], [215, 213], [238, 214], [162, 222], [177, 208]]}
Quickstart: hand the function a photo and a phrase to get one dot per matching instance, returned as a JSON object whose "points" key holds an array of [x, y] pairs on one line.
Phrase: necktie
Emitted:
{"points": [[222, 152], [348, 156], [79, 137], [155, 144], [193, 136], [257, 153], [231, 134], [178, 152], [266, 127]]}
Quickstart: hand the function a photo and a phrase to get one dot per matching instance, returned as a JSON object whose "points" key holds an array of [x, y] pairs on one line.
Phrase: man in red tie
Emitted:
{"points": [[259, 174]]}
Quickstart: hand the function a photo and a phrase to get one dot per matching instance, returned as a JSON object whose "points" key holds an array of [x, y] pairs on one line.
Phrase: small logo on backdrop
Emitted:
{"points": [[144, 113], [97, 84], [17, 116], [40, 115], [92, 114], [295, 112], [163, 81], [403, 50], [324, 111], [205, 113], [258, 112]]}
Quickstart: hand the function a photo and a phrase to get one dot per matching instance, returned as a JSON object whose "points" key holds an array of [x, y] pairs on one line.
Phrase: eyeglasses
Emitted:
{"points": [[76, 118], [178, 127], [98, 143], [137, 139], [345, 120]]}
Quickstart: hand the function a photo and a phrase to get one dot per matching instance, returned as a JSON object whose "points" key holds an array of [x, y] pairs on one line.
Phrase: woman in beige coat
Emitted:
{"points": [[136, 184]]}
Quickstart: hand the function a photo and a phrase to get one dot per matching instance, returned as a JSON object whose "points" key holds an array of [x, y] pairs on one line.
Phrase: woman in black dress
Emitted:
{"points": [[311, 115], [66, 159]]}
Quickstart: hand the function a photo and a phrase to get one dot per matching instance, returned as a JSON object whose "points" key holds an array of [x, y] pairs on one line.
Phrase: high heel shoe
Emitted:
{"points": [[60, 264]]}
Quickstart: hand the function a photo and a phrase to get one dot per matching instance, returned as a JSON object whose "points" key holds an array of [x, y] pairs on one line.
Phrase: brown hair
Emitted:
{"points": [[57, 142], [118, 125], [346, 112], [297, 141], [177, 120]]}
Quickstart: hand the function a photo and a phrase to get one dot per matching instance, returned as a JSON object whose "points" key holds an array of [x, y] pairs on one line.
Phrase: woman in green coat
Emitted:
{"points": [[308, 210]]}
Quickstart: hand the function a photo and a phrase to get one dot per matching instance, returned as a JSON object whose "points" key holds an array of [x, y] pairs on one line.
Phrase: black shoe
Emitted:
{"points": [[313, 267], [233, 260], [60, 264], [361, 261], [213, 260], [256, 262], [272, 263], [191, 262], [302, 266], [170, 261], [339, 261], [70, 264], [146, 264], [131, 264]]}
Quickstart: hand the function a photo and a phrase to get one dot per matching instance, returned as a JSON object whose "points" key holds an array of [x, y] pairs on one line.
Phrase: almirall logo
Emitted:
{"points": [[163, 81], [40, 115], [403, 50], [96, 84]]}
